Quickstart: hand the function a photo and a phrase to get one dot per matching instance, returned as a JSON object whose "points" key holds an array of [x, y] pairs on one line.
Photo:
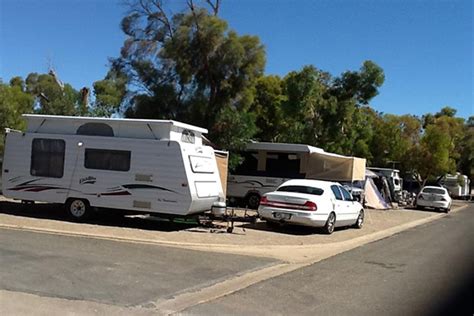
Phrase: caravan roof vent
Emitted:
{"points": [[95, 129], [188, 136]]}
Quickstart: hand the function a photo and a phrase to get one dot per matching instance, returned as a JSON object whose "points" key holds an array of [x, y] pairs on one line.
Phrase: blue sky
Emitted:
{"points": [[424, 46]]}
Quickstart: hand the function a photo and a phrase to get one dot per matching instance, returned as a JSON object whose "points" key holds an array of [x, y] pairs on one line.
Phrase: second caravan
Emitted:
{"points": [[268, 165]]}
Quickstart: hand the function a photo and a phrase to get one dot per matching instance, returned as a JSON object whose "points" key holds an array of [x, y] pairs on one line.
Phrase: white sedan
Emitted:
{"points": [[434, 197], [311, 203]]}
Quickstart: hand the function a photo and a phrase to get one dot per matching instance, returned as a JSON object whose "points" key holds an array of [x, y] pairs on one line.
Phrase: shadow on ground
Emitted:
{"points": [[103, 218], [287, 229], [115, 218]]}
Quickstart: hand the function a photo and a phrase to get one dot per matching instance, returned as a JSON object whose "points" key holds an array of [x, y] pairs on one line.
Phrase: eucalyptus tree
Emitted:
{"points": [[191, 67]]}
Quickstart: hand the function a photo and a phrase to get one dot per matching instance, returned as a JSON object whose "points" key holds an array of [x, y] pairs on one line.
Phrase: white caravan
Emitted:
{"points": [[266, 166], [457, 185], [151, 166]]}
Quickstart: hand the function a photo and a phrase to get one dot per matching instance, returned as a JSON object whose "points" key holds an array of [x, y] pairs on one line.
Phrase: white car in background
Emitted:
{"points": [[312, 203], [434, 197]]}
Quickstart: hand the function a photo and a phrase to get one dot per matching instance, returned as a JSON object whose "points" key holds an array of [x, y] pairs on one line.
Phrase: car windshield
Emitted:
{"points": [[433, 190], [301, 189]]}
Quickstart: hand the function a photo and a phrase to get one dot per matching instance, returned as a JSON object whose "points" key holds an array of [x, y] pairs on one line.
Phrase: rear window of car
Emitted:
{"points": [[434, 190], [301, 189]]}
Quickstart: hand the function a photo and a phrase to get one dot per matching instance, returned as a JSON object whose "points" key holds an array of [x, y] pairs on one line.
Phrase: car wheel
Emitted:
{"points": [[78, 209], [446, 210], [360, 220], [330, 224], [418, 207], [253, 200]]}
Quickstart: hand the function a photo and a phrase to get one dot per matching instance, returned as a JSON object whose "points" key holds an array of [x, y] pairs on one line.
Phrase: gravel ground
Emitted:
{"points": [[51, 217]]}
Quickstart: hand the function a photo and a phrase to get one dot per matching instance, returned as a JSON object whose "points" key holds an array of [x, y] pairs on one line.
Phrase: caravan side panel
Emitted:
{"points": [[151, 180], [44, 180]]}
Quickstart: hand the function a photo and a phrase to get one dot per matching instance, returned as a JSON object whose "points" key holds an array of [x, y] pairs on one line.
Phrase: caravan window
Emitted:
{"points": [[103, 159], [47, 157], [188, 137], [284, 165], [95, 129], [249, 164]]}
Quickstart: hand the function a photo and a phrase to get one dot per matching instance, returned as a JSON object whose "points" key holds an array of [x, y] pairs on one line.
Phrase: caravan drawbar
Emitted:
{"points": [[150, 166]]}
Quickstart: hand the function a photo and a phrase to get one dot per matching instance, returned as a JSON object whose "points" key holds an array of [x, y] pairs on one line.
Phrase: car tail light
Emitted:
{"points": [[307, 206], [421, 197], [443, 199], [310, 206]]}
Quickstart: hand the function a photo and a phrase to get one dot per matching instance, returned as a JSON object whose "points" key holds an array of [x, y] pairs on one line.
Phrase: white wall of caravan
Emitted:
{"points": [[241, 186], [158, 164]]}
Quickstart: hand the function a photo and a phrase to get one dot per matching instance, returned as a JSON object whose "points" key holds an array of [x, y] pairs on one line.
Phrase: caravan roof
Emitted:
{"points": [[382, 169], [118, 127], [283, 147]]}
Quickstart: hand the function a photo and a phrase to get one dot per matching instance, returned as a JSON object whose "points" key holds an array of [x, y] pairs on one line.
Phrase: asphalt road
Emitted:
{"points": [[110, 272], [428, 270]]}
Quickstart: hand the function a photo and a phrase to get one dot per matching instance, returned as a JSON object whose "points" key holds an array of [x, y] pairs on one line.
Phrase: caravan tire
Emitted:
{"points": [[252, 200], [78, 209]]}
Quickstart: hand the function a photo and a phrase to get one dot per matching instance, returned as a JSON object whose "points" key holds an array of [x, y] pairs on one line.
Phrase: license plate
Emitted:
{"points": [[282, 215]]}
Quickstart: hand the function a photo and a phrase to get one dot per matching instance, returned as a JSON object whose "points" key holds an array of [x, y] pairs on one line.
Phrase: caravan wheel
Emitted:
{"points": [[253, 200], [78, 209]]}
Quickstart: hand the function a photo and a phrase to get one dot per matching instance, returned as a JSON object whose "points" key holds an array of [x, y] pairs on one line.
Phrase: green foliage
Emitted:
{"points": [[444, 146], [267, 107], [326, 111], [14, 101], [190, 67], [394, 136], [431, 157], [50, 97], [446, 111], [466, 159], [109, 94], [234, 130]]}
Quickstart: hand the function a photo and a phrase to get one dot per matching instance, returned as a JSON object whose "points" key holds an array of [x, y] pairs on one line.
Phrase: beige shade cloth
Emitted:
{"points": [[222, 159], [332, 167]]}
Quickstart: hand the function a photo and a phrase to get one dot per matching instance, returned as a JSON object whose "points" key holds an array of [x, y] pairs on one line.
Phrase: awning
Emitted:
{"points": [[333, 167]]}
